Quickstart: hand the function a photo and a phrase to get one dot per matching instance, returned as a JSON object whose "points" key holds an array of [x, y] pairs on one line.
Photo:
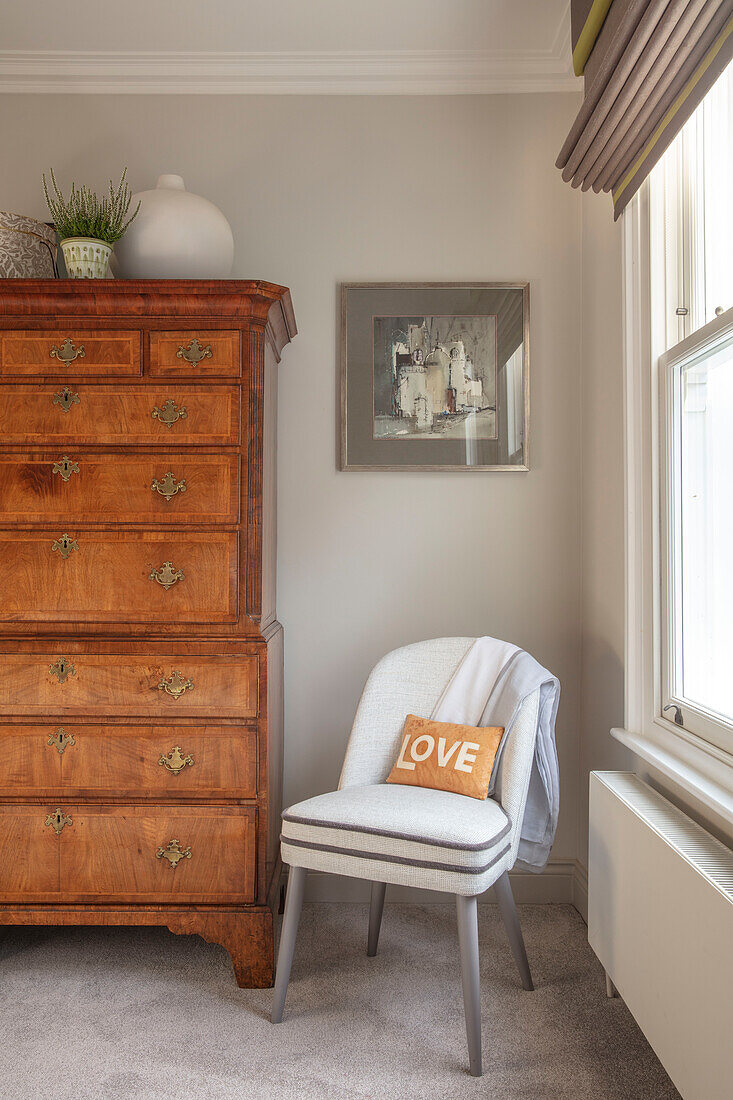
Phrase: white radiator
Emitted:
{"points": [[660, 919]]}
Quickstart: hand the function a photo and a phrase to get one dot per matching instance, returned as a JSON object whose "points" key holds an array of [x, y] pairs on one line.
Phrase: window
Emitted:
{"points": [[697, 527], [690, 205]]}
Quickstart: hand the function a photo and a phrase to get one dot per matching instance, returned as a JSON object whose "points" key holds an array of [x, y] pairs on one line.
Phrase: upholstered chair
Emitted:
{"points": [[413, 836]]}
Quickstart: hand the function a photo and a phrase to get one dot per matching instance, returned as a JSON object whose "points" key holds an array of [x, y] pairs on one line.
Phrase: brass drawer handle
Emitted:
{"points": [[169, 413], [168, 487], [173, 853], [67, 353], [66, 399], [194, 353], [65, 467], [62, 669], [57, 820], [175, 684], [62, 740], [64, 545], [175, 761], [167, 575]]}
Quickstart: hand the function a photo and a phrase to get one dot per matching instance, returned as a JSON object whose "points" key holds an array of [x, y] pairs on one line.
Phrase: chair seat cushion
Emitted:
{"points": [[395, 823]]}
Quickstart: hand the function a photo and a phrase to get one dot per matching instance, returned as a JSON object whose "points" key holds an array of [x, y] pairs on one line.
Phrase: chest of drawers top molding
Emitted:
{"points": [[226, 303]]}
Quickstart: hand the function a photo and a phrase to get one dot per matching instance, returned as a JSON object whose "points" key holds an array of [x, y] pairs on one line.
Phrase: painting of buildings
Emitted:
{"points": [[434, 377]]}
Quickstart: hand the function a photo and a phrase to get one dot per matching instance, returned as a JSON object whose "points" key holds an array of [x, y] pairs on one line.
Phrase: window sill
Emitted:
{"points": [[689, 767]]}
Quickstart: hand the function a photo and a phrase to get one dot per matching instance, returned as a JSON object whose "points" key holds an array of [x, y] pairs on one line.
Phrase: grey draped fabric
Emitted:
{"points": [[647, 65], [519, 678], [489, 688]]}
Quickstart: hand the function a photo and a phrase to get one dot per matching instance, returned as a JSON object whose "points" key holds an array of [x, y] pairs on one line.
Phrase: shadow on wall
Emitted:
{"points": [[603, 687]]}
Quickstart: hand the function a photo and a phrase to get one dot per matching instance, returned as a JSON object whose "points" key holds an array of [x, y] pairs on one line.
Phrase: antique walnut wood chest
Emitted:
{"points": [[140, 655]]}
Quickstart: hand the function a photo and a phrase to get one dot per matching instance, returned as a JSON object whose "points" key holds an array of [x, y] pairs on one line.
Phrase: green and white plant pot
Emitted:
{"points": [[86, 258]]}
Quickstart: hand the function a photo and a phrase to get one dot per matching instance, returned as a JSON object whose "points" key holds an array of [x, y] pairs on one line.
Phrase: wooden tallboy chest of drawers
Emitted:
{"points": [[140, 654]]}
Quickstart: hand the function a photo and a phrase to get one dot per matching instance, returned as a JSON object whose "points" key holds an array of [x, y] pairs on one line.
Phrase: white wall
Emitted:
{"points": [[320, 190], [602, 501], [514, 26]]}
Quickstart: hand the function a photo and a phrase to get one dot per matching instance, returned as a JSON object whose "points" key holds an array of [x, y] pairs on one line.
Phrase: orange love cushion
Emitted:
{"points": [[446, 757]]}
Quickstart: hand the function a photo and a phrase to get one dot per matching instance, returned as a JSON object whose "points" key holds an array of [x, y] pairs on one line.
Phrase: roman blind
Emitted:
{"points": [[646, 66]]}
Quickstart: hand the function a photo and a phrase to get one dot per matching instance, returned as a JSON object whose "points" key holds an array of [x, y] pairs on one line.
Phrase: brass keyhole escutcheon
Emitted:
{"points": [[65, 467], [65, 545], [175, 761], [57, 820], [194, 353], [173, 853], [175, 684], [66, 399], [168, 487], [67, 353], [62, 669], [167, 575], [169, 413], [62, 740]]}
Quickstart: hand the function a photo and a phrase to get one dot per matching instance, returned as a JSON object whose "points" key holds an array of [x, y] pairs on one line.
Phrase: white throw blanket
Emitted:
{"points": [[487, 689]]}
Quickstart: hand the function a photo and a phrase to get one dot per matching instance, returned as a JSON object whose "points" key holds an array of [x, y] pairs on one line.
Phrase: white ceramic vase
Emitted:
{"points": [[176, 235], [86, 258]]}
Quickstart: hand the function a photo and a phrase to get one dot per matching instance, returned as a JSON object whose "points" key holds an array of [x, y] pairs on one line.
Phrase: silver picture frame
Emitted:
{"points": [[493, 436]]}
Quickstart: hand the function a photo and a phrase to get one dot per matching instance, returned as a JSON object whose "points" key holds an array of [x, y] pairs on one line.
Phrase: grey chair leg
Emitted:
{"points": [[611, 990], [288, 933], [468, 943], [376, 907], [508, 911]]}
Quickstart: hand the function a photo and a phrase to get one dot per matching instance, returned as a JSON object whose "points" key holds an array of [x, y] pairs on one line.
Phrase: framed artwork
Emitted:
{"points": [[434, 376]]}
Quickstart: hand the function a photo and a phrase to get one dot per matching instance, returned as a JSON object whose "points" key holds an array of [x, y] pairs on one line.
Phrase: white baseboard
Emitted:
{"points": [[562, 881], [580, 889]]}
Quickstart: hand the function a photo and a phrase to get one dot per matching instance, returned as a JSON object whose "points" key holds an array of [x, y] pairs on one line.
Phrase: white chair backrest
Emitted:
{"points": [[410, 681], [407, 681]]}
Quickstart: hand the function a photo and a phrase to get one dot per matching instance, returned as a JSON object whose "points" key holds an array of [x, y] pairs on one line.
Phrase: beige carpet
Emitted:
{"points": [[140, 1013]]}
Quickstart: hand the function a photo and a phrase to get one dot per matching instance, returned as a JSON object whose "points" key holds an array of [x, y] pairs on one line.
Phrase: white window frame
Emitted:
{"points": [[714, 730], [699, 767]]}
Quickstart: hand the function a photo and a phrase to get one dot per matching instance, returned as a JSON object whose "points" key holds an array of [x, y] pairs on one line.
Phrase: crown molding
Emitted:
{"points": [[562, 45], [408, 72], [392, 72]]}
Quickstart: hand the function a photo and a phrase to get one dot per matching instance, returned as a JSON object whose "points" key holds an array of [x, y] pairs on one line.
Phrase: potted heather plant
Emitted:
{"points": [[88, 226]]}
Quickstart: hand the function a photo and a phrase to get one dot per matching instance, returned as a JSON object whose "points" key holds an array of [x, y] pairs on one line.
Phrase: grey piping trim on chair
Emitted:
{"points": [[287, 816], [384, 858]]}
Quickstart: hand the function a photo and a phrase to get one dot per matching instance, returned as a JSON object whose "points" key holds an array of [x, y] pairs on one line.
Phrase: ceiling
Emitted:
{"points": [[320, 46]]}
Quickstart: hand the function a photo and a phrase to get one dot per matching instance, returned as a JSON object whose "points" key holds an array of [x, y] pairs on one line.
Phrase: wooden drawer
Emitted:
{"points": [[81, 760], [139, 415], [203, 354], [125, 685], [82, 487], [70, 353], [134, 576], [110, 853]]}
